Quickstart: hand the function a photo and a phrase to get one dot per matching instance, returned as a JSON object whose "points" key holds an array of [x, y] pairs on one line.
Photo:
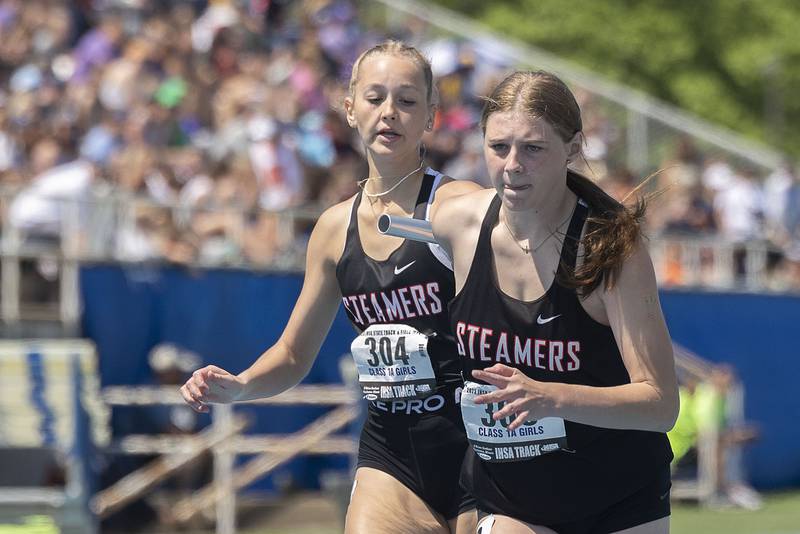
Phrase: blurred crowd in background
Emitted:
{"points": [[188, 130]]}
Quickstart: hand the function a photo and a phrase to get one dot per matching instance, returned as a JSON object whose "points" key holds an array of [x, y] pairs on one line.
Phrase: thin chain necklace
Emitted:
{"points": [[525, 248], [362, 183], [374, 198]]}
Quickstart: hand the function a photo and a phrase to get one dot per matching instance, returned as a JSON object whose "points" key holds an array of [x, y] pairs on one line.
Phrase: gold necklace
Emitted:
{"points": [[525, 248]]}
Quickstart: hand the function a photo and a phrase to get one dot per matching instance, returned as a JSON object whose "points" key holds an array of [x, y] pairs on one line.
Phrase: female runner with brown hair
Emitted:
{"points": [[570, 375]]}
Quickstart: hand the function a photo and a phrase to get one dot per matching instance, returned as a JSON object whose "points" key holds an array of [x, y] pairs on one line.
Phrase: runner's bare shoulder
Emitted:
{"points": [[450, 187], [461, 213], [329, 233]]}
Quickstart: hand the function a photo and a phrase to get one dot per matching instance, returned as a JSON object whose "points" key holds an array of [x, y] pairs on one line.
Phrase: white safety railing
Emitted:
{"points": [[225, 440], [91, 230], [712, 263], [681, 261]]}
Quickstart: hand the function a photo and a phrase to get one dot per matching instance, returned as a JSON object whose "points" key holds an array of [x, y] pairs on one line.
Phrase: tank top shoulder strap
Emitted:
{"points": [[423, 199], [478, 278], [352, 225], [569, 251], [483, 249]]}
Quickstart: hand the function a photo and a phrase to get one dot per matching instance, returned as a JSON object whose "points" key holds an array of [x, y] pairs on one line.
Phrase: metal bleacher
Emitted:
{"points": [[51, 417]]}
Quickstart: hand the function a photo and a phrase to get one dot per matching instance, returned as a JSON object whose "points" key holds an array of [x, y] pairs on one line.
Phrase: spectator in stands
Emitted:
{"points": [[469, 161], [227, 80], [677, 179], [776, 192], [694, 217], [790, 230], [703, 416], [739, 207], [170, 365]]}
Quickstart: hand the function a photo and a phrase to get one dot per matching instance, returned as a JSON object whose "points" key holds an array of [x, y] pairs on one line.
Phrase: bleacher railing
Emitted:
{"points": [[51, 406], [225, 439], [89, 229]]}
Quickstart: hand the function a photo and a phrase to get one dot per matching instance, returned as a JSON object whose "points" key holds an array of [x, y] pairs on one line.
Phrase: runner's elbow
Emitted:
{"points": [[667, 412]]}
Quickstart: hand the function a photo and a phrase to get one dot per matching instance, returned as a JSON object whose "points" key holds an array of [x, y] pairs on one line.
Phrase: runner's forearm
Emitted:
{"points": [[275, 371], [637, 406]]}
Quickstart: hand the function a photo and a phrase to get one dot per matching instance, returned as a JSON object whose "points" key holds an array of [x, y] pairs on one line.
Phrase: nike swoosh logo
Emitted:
{"points": [[539, 319], [403, 268]]}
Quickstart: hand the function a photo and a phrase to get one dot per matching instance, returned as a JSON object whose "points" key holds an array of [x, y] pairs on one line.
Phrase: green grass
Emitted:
{"points": [[314, 530], [34, 524], [780, 515]]}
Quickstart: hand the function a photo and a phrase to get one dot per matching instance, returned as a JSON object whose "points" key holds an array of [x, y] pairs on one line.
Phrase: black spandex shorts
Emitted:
{"points": [[646, 504], [421, 447]]}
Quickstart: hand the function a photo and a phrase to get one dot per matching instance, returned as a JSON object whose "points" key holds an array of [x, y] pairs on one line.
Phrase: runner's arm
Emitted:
{"points": [[286, 363], [650, 401]]}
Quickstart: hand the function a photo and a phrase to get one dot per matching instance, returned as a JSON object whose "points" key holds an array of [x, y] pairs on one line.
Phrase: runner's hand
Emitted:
{"points": [[524, 397], [211, 384]]}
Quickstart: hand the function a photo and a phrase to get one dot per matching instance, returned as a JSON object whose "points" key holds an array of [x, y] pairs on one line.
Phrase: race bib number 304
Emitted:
{"points": [[494, 442], [393, 363]]}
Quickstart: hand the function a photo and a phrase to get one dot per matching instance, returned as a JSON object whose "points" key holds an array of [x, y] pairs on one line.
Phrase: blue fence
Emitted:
{"points": [[758, 335], [229, 317]]}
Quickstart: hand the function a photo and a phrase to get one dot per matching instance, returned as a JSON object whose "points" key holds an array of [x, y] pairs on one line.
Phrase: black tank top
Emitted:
{"points": [[411, 287], [551, 339]]}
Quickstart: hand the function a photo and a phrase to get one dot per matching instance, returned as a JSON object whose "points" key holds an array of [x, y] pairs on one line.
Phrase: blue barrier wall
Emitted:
{"points": [[229, 317], [758, 335]]}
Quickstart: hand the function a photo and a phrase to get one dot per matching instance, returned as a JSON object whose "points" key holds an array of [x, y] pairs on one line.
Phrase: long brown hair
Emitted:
{"points": [[612, 229]]}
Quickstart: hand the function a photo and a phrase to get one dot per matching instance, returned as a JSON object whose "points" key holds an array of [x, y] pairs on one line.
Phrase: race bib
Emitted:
{"points": [[493, 442], [393, 363]]}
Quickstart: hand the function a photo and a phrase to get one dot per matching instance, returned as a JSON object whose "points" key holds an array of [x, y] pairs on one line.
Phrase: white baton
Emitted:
{"points": [[406, 227]]}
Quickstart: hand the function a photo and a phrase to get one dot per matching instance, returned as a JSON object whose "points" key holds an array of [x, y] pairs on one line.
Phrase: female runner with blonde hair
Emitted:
{"points": [[395, 293]]}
